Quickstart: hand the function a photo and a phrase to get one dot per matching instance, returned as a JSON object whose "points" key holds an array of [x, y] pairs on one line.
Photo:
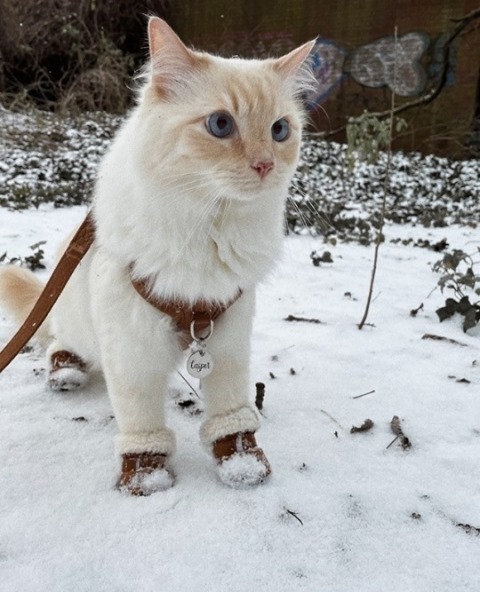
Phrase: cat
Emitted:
{"points": [[188, 212]]}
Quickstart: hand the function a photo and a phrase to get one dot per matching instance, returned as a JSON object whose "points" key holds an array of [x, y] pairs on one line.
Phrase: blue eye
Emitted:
{"points": [[280, 130], [220, 124]]}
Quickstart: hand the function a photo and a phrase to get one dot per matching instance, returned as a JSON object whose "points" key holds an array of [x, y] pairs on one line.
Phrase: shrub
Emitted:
{"points": [[77, 54]]}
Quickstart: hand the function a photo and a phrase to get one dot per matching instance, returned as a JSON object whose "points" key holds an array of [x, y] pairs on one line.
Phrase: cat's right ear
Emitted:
{"points": [[295, 66], [170, 58]]}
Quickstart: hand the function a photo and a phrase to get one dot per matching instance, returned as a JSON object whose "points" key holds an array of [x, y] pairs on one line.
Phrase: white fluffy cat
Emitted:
{"points": [[189, 200]]}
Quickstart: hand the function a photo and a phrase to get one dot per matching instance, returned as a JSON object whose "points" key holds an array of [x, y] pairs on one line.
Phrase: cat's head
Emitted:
{"points": [[230, 127]]}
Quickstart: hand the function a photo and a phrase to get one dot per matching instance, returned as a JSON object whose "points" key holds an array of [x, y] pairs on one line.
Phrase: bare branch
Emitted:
{"points": [[385, 190]]}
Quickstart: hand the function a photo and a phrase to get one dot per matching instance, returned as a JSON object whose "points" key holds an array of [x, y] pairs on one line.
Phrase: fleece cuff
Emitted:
{"points": [[245, 419], [161, 442]]}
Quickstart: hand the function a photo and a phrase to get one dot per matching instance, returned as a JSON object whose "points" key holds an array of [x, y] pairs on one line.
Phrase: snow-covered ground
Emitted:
{"points": [[341, 512]]}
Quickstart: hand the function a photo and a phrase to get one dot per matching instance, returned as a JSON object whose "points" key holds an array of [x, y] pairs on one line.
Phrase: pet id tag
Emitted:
{"points": [[200, 362]]}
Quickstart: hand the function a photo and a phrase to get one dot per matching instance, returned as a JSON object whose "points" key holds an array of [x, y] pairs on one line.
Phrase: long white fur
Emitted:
{"points": [[195, 232]]}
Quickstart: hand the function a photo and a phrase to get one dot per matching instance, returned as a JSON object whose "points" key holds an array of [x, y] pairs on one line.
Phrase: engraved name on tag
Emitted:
{"points": [[199, 364]]}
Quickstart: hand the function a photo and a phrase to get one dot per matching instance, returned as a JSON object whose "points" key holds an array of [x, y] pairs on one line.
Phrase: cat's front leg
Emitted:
{"points": [[229, 430], [138, 353]]}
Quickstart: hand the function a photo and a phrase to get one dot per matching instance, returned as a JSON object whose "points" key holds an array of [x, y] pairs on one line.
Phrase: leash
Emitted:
{"points": [[187, 318], [67, 264]]}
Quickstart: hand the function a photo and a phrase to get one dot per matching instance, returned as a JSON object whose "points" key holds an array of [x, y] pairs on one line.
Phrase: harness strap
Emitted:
{"points": [[183, 314], [67, 264]]}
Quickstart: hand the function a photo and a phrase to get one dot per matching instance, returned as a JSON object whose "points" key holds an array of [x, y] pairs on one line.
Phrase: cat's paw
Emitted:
{"points": [[67, 379], [145, 473], [240, 462], [68, 372], [244, 469]]}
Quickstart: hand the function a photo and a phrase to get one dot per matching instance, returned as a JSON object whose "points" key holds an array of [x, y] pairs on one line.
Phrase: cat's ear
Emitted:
{"points": [[170, 59], [289, 65], [162, 39]]}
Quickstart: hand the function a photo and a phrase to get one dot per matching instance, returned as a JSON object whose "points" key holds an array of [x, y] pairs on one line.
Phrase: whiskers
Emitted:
{"points": [[304, 210]]}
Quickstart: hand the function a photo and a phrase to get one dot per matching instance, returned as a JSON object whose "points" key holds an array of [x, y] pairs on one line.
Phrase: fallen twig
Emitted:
{"points": [[184, 379], [469, 529], [392, 442], [441, 338], [295, 515], [331, 417], [291, 318], [363, 394]]}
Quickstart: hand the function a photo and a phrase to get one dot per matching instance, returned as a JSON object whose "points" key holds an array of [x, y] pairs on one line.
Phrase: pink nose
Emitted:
{"points": [[263, 168]]}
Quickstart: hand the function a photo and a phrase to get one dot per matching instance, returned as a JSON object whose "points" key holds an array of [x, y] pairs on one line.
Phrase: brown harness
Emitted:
{"points": [[201, 313]]}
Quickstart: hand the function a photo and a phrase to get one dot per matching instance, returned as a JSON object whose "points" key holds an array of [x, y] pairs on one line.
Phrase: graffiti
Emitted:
{"points": [[327, 64], [382, 63], [391, 63]]}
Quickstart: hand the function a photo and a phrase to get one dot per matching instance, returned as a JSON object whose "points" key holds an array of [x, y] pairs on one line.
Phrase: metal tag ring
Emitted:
{"points": [[200, 339]]}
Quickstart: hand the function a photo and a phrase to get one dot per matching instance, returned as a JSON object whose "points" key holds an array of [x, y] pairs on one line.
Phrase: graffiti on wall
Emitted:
{"points": [[327, 63], [393, 64], [385, 62], [382, 63]]}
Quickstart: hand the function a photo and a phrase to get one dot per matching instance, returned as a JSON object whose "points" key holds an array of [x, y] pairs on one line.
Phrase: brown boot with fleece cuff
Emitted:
{"points": [[68, 372], [240, 461], [144, 473]]}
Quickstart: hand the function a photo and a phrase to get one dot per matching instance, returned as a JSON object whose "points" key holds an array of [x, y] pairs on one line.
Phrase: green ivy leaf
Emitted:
{"points": [[468, 279], [470, 319], [465, 306], [447, 311]]}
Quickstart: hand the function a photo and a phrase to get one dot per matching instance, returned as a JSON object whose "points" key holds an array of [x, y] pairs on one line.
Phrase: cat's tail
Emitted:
{"points": [[19, 290]]}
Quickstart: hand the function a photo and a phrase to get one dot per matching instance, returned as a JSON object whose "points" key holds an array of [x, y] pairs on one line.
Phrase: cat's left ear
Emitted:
{"points": [[290, 64]]}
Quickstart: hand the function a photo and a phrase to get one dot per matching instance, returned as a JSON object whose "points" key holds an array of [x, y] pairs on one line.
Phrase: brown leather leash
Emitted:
{"points": [[202, 313], [67, 264]]}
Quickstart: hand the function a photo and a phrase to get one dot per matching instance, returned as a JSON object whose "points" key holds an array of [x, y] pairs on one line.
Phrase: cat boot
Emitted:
{"points": [[144, 473], [145, 457], [240, 461], [68, 372]]}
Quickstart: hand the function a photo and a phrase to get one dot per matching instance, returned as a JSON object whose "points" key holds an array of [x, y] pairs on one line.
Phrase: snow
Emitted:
{"points": [[340, 512], [67, 379], [242, 470], [158, 480]]}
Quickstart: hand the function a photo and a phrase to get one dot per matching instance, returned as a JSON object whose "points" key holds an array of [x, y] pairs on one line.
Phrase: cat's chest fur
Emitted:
{"points": [[191, 249]]}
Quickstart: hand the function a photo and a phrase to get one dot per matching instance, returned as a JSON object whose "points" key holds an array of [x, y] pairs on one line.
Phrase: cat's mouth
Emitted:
{"points": [[254, 184], [251, 190]]}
